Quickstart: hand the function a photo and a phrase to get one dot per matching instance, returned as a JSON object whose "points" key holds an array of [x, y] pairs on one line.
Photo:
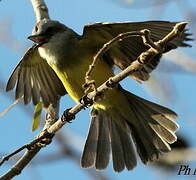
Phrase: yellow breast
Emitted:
{"points": [[73, 77]]}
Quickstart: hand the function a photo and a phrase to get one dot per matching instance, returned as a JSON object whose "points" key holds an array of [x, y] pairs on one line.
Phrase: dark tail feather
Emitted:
{"points": [[103, 143], [152, 129], [149, 124], [117, 150], [125, 144], [97, 148], [105, 134]]}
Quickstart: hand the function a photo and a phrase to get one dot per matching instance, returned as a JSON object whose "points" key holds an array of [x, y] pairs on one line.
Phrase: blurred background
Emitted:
{"points": [[173, 85]]}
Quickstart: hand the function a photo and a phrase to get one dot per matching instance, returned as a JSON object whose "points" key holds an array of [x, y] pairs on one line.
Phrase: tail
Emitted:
{"points": [[149, 125]]}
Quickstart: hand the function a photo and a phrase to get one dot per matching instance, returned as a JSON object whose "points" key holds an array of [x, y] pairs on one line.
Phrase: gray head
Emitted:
{"points": [[45, 29]]}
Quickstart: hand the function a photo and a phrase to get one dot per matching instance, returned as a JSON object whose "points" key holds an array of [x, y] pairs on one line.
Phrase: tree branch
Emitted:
{"points": [[40, 9], [11, 106], [89, 83], [21, 164], [32, 149]]}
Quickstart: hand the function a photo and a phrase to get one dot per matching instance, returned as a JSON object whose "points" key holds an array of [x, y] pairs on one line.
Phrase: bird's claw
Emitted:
{"points": [[87, 102], [67, 116]]}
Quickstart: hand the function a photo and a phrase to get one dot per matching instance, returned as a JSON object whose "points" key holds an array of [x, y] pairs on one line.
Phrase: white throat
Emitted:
{"points": [[60, 49], [52, 51]]}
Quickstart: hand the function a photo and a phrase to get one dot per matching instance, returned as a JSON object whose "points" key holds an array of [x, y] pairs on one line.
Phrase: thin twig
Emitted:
{"points": [[106, 47], [11, 106], [145, 34], [28, 146], [155, 47], [21, 164], [32, 148], [40, 9]]}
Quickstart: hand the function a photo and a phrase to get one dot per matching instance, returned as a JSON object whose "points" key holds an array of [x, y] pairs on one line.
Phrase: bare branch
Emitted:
{"points": [[11, 106], [155, 48], [32, 148], [106, 47], [40, 9], [21, 164]]}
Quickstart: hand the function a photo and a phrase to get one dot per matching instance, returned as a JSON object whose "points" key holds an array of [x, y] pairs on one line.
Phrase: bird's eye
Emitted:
{"points": [[36, 28]]}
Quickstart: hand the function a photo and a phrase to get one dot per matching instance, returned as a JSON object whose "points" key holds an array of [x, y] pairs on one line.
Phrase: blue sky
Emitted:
{"points": [[15, 127]]}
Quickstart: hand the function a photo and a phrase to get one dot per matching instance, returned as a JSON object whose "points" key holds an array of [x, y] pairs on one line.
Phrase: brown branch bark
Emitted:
{"points": [[52, 115], [40, 10]]}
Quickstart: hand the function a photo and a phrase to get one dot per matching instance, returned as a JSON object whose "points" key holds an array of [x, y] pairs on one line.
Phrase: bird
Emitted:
{"points": [[122, 125]]}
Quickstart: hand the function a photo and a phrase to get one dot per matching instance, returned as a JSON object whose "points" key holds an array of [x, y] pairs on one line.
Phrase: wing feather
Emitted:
{"points": [[35, 79], [127, 50]]}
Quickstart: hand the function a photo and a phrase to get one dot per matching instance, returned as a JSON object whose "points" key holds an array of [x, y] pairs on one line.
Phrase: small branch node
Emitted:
{"points": [[110, 83]]}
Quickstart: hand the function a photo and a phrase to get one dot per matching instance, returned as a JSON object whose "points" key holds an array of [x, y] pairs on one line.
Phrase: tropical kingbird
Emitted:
{"points": [[57, 64]]}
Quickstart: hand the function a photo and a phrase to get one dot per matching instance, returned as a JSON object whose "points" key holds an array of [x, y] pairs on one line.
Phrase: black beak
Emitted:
{"points": [[39, 39]]}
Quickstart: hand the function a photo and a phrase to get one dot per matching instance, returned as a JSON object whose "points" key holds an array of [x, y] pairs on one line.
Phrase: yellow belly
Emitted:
{"points": [[73, 77]]}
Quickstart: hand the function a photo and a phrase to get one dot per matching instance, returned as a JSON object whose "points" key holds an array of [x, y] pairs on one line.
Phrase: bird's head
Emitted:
{"points": [[45, 29]]}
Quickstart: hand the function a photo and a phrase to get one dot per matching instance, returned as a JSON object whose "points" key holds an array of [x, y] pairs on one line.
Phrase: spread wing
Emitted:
{"points": [[35, 79], [126, 51]]}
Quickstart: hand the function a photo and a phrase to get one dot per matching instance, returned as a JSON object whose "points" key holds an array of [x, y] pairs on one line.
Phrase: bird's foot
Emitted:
{"points": [[67, 116], [87, 102]]}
